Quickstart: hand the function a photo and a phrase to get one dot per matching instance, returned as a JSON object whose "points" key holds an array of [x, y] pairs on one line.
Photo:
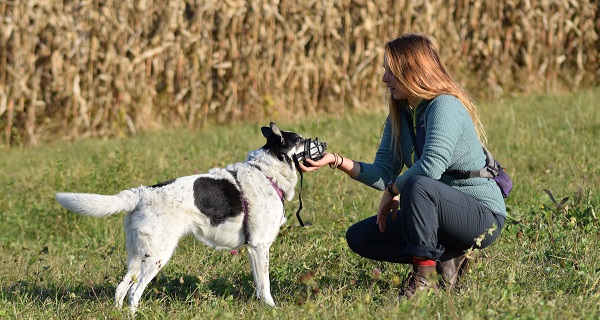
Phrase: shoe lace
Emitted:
{"points": [[409, 285]]}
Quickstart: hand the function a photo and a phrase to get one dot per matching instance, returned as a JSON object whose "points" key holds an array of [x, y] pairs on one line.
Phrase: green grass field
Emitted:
{"points": [[57, 265]]}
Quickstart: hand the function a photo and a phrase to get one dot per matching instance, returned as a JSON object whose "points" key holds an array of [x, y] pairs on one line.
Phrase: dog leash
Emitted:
{"points": [[299, 193]]}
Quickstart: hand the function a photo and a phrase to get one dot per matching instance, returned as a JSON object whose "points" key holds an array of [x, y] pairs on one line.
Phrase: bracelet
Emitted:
{"points": [[390, 188], [335, 163], [332, 165]]}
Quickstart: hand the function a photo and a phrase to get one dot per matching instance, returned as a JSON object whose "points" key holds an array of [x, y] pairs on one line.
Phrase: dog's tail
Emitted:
{"points": [[97, 205]]}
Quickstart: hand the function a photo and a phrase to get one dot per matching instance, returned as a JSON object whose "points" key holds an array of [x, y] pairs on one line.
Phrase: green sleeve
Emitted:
{"points": [[385, 167]]}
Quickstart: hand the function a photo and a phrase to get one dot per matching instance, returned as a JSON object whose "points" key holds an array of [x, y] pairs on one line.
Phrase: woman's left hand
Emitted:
{"points": [[389, 204]]}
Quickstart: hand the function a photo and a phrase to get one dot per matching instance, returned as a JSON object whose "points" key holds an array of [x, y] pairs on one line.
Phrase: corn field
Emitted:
{"points": [[76, 69]]}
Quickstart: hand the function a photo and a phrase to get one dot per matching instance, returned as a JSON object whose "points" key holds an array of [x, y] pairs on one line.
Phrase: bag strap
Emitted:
{"points": [[491, 170], [411, 129]]}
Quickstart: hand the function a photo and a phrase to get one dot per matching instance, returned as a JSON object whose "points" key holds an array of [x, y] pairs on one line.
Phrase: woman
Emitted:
{"points": [[432, 127]]}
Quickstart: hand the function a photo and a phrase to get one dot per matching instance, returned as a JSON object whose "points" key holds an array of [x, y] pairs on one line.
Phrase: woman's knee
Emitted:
{"points": [[354, 236], [417, 187], [357, 234], [351, 238], [416, 183]]}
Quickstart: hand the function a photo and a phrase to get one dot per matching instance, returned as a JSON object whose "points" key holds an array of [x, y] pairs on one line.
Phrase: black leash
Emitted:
{"points": [[299, 193]]}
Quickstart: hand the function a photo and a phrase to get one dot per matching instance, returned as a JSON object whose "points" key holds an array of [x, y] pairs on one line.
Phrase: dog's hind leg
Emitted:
{"points": [[133, 270], [259, 259], [159, 251], [134, 264]]}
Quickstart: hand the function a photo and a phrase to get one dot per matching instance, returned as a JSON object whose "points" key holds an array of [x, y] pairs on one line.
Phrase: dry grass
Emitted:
{"points": [[73, 69]]}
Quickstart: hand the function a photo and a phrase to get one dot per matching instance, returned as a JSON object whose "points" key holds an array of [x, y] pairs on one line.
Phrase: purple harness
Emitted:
{"points": [[245, 207]]}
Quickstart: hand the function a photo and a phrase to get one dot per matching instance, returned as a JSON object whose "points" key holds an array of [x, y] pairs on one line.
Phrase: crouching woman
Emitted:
{"points": [[426, 217]]}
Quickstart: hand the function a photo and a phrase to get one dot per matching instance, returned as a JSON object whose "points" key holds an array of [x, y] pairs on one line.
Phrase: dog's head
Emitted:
{"points": [[282, 144]]}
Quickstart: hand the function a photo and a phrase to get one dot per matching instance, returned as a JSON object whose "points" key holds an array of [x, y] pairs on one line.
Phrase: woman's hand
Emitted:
{"points": [[389, 204], [315, 165]]}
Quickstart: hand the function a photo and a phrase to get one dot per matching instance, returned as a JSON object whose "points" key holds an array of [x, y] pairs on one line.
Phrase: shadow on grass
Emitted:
{"points": [[165, 290], [25, 291], [185, 288], [238, 287]]}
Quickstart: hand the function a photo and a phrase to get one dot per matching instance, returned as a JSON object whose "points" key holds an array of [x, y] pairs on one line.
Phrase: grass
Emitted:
{"points": [[57, 265]]}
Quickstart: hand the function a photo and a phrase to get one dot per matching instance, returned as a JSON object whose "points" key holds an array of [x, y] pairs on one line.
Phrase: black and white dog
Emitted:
{"points": [[224, 208]]}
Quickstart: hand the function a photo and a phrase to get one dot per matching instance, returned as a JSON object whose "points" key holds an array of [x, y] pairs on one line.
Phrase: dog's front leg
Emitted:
{"points": [[259, 258]]}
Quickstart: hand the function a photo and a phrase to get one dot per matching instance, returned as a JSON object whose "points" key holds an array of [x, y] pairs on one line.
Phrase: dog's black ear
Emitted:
{"points": [[266, 131], [272, 132]]}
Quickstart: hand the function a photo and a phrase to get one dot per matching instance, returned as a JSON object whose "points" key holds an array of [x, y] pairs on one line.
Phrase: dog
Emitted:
{"points": [[224, 208]]}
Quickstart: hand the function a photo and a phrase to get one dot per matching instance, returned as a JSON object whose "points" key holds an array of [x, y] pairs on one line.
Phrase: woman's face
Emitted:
{"points": [[397, 90]]}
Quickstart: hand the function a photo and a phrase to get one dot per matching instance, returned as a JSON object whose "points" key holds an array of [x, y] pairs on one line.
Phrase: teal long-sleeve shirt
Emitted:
{"points": [[450, 143]]}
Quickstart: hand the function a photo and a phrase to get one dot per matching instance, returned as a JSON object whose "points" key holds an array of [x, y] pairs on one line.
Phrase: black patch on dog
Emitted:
{"points": [[162, 184], [218, 199]]}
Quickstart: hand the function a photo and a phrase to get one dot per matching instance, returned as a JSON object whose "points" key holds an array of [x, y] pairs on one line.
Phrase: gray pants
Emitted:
{"points": [[435, 221]]}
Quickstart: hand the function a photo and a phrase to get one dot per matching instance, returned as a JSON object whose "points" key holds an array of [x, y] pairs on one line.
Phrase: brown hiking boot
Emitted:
{"points": [[451, 269], [421, 278]]}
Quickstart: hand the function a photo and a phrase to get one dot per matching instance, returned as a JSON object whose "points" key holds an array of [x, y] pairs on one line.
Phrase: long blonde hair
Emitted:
{"points": [[415, 62]]}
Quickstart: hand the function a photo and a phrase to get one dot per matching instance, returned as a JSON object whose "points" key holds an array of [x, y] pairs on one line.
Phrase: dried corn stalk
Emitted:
{"points": [[109, 68]]}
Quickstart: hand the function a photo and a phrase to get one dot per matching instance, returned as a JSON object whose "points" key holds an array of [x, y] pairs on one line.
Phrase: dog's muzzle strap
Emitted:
{"points": [[297, 163]]}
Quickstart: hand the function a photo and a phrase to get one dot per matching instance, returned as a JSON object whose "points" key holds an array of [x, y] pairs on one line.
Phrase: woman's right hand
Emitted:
{"points": [[315, 165], [389, 204]]}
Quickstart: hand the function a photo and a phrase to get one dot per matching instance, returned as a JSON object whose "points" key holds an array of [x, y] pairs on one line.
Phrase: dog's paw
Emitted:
{"points": [[268, 301], [271, 303]]}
